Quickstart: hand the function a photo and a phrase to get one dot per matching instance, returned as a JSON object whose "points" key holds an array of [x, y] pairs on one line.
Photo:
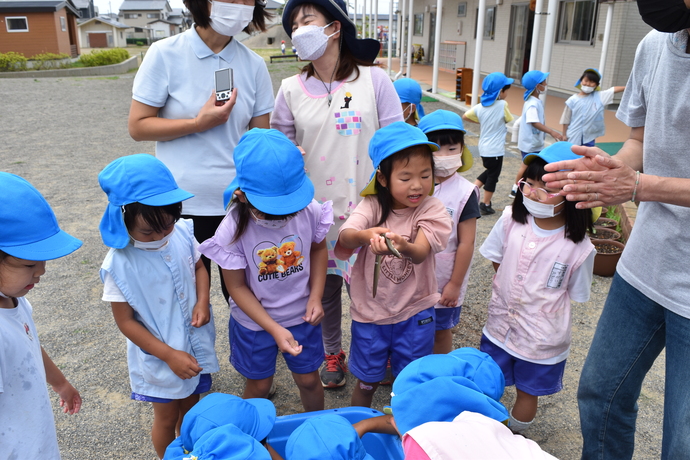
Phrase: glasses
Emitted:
{"points": [[540, 193]]}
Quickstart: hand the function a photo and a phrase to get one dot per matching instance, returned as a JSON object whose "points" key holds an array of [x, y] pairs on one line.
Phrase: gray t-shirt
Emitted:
{"points": [[657, 97]]}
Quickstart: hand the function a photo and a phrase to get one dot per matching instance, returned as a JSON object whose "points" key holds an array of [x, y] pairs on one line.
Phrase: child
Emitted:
{"points": [[326, 437], [532, 127], [29, 235], [583, 115], [227, 442], [410, 94], [282, 47], [272, 250], [461, 199], [492, 114], [398, 322], [543, 260], [158, 289]]}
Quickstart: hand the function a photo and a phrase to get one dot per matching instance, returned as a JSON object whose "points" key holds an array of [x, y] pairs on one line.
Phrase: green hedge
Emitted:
{"points": [[138, 41], [12, 61], [45, 61], [104, 57]]}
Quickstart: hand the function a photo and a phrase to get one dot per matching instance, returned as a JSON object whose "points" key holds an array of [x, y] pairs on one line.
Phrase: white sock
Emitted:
{"points": [[516, 425], [515, 188]]}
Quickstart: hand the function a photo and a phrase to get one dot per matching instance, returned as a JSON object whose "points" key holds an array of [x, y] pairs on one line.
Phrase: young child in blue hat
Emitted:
{"points": [[29, 235], [461, 199], [272, 250], [393, 296], [583, 114], [227, 442], [410, 94], [492, 114], [532, 122], [158, 289], [543, 260], [326, 437]]}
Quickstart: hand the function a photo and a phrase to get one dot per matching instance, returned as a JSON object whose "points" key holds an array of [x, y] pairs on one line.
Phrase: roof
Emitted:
{"points": [[144, 5], [81, 4], [104, 20], [23, 6], [164, 21]]}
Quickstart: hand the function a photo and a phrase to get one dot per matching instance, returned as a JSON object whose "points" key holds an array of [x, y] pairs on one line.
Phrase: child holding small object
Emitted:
{"points": [[158, 288], [398, 323], [29, 235], [583, 115], [272, 250], [543, 260], [461, 199]]}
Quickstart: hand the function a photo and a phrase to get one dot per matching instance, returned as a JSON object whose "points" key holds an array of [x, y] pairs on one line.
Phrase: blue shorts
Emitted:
{"points": [[590, 144], [533, 379], [373, 344], [253, 353], [204, 385], [447, 318]]}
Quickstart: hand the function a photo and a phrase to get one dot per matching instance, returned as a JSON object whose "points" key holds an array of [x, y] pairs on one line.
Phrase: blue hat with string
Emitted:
{"points": [[578, 85], [28, 228], [139, 178], [409, 91], [531, 79], [227, 442], [441, 120], [492, 86], [325, 437]]}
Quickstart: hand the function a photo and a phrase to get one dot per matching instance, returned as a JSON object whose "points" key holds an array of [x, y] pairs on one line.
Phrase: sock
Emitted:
{"points": [[514, 189], [516, 425]]}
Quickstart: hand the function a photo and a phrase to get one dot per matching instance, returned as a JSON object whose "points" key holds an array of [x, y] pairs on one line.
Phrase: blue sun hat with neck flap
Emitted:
{"points": [[139, 178], [29, 228], [409, 91], [326, 437], [492, 86], [531, 79], [227, 442], [446, 120]]}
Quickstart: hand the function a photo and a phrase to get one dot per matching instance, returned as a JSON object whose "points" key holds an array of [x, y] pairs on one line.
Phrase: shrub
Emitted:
{"points": [[45, 61], [12, 61], [104, 57], [138, 41]]}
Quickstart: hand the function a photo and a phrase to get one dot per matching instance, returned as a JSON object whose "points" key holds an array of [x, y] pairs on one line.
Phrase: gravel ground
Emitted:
{"points": [[60, 141]]}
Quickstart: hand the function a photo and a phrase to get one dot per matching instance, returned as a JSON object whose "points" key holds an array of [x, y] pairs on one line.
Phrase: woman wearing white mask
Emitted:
{"points": [[173, 103], [332, 109]]}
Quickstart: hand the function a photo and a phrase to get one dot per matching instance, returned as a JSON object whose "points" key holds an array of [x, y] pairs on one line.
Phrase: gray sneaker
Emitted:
{"points": [[486, 209], [333, 372]]}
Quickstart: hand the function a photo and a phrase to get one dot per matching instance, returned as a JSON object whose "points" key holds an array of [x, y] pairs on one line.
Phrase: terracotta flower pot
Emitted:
{"points": [[606, 223], [608, 254], [603, 233]]}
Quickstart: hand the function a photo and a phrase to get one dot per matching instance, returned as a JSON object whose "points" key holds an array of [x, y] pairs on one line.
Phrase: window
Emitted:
{"points": [[153, 15], [462, 9], [419, 24], [17, 24], [131, 15], [489, 23], [159, 33], [577, 21], [63, 23], [138, 30]]}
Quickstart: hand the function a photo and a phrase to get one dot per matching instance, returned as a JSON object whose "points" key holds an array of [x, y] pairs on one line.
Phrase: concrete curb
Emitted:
{"points": [[115, 69]]}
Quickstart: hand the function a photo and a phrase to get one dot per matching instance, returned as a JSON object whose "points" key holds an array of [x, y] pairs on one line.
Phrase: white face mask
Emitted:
{"points": [[541, 210], [229, 19], [587, 89], [447, 165], [311, 41], [274, 224], [153, 245]]}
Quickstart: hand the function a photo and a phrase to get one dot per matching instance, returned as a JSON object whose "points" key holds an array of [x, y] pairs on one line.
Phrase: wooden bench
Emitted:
{"points": [[284, 56], [468, 99]]}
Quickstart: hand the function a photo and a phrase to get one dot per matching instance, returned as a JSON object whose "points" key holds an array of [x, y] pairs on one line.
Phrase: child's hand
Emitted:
{"points": [[70, 399], [365, 236], [379, 246], [286, 342], [184, 365], [201, 314], [450, 294], [314, 313]]}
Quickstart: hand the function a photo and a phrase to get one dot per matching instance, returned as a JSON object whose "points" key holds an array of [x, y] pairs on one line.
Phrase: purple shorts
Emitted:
{"points": [[373, 344], [533, 379], [204, 385], [253, 353], [447, 318]]}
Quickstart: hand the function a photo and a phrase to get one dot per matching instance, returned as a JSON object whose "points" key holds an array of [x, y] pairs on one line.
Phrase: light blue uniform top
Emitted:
{"points": [[178, 75], [530, 139], [587, 119]]}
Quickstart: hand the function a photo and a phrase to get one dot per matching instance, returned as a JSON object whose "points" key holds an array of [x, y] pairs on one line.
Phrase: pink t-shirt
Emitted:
{"points": [[404, 288], [276, 261]]}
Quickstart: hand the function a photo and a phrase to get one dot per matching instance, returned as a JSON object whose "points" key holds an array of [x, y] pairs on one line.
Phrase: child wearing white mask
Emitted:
{"points": [[461, 199], [543, 260], [583, 115]]}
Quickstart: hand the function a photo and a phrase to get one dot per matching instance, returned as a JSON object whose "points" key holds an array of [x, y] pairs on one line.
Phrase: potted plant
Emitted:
{"points": [[608, 254], [603, 233]]}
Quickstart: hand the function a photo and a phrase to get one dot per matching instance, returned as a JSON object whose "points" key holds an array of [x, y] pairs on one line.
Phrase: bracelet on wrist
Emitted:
{"points": [[637, 182]]}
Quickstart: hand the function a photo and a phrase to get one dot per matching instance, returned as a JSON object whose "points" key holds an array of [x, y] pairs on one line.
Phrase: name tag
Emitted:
{"points": [[557, 275]]}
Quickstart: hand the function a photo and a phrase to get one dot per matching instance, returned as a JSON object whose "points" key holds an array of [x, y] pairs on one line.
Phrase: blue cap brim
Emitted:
{"points": [[163, 199], [58, 245], [283, 204]]}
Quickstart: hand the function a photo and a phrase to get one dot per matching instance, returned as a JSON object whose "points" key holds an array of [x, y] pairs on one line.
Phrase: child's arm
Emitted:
{"points": [[380, 424], [565, 121], [470, 116], [417, 251], [181, 363], [201, 314], [70, 400], [467, 231], [249, 304], [618, 89], [317, 282], [496, 265], [552, 132], [353, 239]]}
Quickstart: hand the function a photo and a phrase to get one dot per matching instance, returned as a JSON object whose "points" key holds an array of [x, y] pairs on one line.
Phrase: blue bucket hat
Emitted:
{"points": [[389, 140], [444, 119], [578, 85], [436, 388], [531, 79], [326, 437], [409, 91], [254, 416], [492, 86], [136, 178], [365, 49], [29, 229], [228, 442], [270, 172]]}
